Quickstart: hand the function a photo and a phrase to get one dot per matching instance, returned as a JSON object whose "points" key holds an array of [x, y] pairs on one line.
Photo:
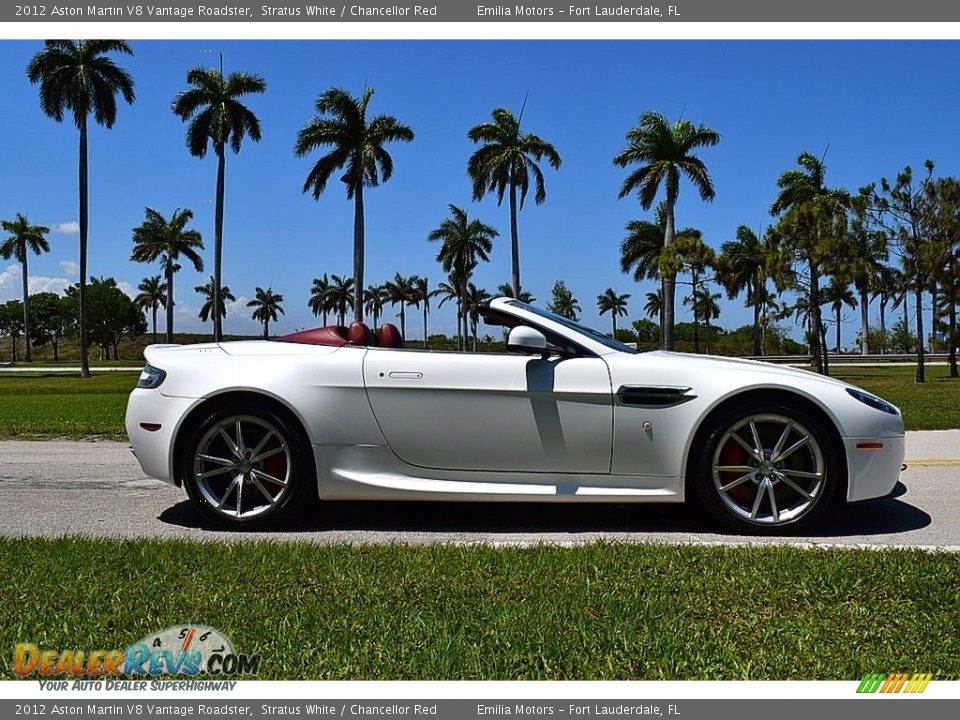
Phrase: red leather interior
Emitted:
{"points": [[359, 334], [390, 337], [335, 335]]}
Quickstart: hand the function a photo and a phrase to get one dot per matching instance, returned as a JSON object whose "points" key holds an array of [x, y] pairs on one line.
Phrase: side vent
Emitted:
{"points": [[653, 395]]}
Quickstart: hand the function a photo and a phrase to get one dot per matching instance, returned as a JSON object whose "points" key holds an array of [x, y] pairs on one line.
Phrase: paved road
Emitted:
{"points": [[96, 488]]}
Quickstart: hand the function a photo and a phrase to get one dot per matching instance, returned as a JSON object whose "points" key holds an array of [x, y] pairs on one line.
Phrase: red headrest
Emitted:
{"points": [[359, 334], [330, 335], [390, 337]]}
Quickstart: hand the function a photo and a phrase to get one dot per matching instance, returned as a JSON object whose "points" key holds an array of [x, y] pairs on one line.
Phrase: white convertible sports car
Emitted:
{"points": [[257, 430]]}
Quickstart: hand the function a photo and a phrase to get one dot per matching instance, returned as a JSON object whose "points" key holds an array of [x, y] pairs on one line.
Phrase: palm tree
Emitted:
{"points": [[837, 294], [464, 244], [654, 305], [76, 76], [209, 293], [665, 154], [153, 296], [357, 144], [217, 115], [742, 266], [563, 303], [319, 301], [266, 304], [885, 290], [450, 291], [861, 255], [809, 210], [423, 293], [166, 240], [373, 299], [614, 304], [705, 307], [24, 238], [475, 298], [504, 162], [400, 291], [341, 296], [506, 290]]}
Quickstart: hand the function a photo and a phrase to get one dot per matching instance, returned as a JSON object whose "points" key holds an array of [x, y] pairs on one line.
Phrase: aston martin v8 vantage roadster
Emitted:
{"points": [[258, 430]]}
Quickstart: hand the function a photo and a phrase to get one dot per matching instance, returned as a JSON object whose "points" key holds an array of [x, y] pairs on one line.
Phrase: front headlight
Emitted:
{"points": [[150, 378], [873, 401]]}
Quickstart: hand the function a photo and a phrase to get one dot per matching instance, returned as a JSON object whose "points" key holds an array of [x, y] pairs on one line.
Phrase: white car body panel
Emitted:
{"points": [[406, 424]]}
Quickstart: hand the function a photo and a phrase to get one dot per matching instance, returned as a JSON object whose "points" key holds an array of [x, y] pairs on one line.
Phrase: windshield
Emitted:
{"points": [[599, 337]]}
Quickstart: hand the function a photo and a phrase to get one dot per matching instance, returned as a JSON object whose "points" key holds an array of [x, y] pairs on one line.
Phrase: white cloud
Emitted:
{"points": [[11, 287], [127, 289], [69, 268], [71, 227]]}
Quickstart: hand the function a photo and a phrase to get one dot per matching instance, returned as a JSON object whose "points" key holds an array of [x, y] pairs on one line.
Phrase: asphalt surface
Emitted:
{"points": [[56, 488]]}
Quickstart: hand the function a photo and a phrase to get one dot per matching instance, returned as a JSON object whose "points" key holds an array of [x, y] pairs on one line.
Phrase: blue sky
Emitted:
{"points": [[877, 105]]}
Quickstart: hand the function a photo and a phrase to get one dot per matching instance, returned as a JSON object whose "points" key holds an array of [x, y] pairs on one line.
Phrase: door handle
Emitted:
{"points": [[396, 375]]}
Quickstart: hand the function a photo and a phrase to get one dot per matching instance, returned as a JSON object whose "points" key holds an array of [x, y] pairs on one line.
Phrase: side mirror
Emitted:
{"points": [[526, 340]]}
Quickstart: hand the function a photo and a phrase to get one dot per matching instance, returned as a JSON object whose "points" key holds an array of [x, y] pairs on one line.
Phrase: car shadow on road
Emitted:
{"points": [[881, 517]]}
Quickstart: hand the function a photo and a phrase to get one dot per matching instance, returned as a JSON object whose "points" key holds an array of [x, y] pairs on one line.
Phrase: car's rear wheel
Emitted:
{"points": [[246, 468], [767, 469]]}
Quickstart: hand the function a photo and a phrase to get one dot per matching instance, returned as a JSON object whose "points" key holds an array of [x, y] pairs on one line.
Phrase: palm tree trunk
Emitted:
{"points": [[514, 240], [933, 315], [26, 309], [169, 272], [217, 246], [918, 301], [613, 316], [818, 349], [864, 320], [757, 340], [952, 294], [266, 329], [84, 349], [883, 325], [459, 322], [838, 311], [358, 256], [154, 323], [424, 323], [403, 321], [13, 345], [669, 284], [474, 326]]}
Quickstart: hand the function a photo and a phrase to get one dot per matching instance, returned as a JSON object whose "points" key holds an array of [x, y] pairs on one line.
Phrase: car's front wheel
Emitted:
{"points": [[767, 469], [246, 468]]}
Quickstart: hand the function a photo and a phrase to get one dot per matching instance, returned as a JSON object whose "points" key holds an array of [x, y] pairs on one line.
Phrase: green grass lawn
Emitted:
{"points": [[600, 611], [53, 405], [36, 405]]}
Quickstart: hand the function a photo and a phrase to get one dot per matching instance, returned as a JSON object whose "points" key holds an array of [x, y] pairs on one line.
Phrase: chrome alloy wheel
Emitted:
{"points": [[242, 467], [768, 469]]}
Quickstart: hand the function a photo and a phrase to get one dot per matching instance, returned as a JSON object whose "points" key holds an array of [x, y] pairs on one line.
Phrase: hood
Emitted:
{"points": [[704, 363]]}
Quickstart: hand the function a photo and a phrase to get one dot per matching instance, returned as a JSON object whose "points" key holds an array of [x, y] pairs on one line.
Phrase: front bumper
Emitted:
{"points": [[873, 472], [152, 421]]}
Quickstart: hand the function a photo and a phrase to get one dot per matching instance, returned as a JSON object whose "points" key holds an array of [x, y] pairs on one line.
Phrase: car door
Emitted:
{"points": [[492, 412]]}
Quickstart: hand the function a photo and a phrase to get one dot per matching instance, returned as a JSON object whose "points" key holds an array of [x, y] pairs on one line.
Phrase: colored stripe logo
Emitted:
{"points": [[894, 683]]}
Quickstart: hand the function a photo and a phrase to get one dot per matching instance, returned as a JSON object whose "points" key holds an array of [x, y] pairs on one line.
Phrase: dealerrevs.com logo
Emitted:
{"points": [[894, 682], [179, 650]]}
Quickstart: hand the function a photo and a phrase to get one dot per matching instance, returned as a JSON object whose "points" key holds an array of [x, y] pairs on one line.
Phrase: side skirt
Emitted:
{"points": [[373, 472]]}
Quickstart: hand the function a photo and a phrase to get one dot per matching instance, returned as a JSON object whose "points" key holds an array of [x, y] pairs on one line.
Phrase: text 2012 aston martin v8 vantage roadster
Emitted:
{"points": [[256, 430]]}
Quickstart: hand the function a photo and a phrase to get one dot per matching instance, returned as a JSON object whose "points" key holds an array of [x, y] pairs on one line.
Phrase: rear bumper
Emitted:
{"points": [[873, 472], [152, 421]]}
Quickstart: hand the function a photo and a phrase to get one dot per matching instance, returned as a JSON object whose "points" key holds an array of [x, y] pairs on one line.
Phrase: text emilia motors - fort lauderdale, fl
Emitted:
{"points": [[175, 12]]}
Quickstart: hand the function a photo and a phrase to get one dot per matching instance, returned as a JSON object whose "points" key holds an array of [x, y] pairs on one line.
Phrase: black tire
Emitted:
{"points": [[287, 456], [777, 478]]}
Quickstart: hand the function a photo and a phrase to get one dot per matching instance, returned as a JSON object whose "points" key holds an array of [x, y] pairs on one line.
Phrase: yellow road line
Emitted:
{"points": [[932, 463]]}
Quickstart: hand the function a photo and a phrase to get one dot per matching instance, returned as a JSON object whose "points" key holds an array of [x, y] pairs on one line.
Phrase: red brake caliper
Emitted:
{"points": [[733, 454]]}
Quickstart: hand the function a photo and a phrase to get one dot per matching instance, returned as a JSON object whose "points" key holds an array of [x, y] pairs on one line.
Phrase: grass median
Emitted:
{"points": [[53, 405], [600, 611]]}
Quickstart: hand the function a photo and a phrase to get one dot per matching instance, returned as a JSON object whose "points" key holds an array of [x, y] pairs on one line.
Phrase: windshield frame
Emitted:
{"points": [[575, 327]]}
